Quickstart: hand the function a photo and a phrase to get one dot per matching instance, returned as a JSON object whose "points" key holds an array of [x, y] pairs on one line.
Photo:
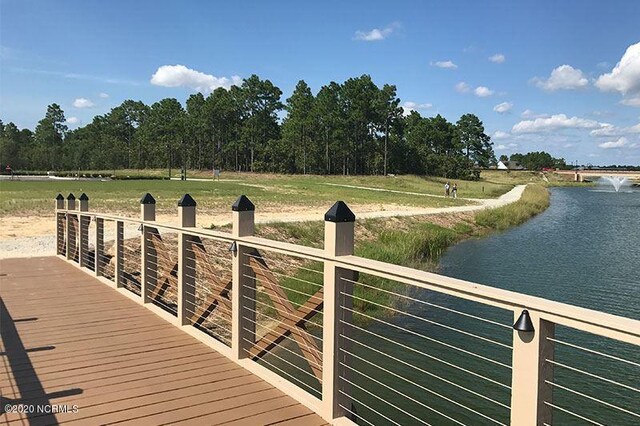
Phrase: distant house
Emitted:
{"points": [[510, 165]]}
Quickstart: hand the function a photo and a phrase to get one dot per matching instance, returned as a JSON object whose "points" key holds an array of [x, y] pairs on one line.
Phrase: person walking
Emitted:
{"points": [[446, 189], [454, 190]]}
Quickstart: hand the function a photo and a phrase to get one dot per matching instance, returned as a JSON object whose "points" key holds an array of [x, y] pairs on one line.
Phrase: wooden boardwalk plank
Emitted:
{"points": [[69, 339]]}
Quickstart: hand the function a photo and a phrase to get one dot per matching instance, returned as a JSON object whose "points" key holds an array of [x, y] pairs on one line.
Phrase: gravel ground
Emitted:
{"points": [[45, 245]]}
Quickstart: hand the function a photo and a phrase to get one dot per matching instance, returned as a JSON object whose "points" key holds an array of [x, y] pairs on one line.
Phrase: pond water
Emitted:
{"points": [[583, 250]]}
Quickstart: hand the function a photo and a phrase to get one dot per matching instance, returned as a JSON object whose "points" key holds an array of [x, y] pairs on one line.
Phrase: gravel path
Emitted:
{"points": [[45, 245]]}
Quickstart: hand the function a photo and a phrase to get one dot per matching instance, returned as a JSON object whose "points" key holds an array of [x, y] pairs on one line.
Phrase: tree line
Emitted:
{"points": [[537, 160], [354, 127]]}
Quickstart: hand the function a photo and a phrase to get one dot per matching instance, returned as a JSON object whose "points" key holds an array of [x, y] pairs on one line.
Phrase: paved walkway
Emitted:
{"points": [[70, 341]]}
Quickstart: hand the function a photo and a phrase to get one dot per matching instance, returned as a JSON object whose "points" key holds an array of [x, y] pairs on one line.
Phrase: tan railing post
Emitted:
{"points": [[338, 288], [60, 219], [98, 243], [83, 230], [243, 291], [530, 372], [186, 261], [70, 237], [147, 252]]}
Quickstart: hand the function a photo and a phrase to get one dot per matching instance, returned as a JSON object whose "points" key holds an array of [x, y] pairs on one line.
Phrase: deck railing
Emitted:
{"points": [[359, 340]]}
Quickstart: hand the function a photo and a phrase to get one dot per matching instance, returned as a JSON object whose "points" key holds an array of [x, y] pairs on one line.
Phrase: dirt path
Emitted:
{"points": [[28, 236]]}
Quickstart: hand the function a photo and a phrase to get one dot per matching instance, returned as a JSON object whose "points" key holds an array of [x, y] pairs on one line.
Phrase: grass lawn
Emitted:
{"points": [[267, 191]]}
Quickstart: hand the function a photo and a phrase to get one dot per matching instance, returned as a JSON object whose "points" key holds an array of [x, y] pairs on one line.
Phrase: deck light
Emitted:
{"points": [[524, 323], [233, 248]]}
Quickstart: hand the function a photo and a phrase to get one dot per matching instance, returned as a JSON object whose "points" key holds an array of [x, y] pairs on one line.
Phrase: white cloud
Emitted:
{"points": [[565, 77], [73, 120], [181, 76], [622, 141], [444, 64], [527, 113], [482, 91], [498, 58], [503, 107], [502, 147], [631, 101], [555, 122], [376, 34], [499, 134], [462, 87], [83, 103], [625, 77], [609, 130], [409, 106], [103, 95]]}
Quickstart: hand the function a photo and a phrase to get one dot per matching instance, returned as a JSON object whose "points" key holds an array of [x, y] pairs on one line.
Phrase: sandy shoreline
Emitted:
{"points": [[30, 236]]}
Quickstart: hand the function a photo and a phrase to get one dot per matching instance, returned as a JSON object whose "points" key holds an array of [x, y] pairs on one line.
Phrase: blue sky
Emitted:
{"points": [[559, 76]]}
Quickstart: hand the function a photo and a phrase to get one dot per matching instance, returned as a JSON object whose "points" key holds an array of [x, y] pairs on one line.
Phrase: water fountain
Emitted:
{"points": [[616, 181]]}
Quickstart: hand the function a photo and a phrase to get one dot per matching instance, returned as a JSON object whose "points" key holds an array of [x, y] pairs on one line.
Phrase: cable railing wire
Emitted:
{"points": [[595, 376], [287, 337], [287, 361], [315, 391], [592, 398], [389, 403], [424, 388], [413, 299], [282, 322], [571, 413], [426, 355], [422, 336], [573, 345], [426, 372], [428, 321]]}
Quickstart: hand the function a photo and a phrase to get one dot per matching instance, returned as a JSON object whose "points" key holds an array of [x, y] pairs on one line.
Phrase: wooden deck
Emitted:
{"points": [[70, 341]]}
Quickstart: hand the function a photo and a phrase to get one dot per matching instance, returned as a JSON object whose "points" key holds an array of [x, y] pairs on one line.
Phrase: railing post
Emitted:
{"points": [[119, 265], [530, 372], [60, 219], [186, 261], [99, 245], [83, 230], [70, 237], [243, 292], [147, 252], [338, 289]]}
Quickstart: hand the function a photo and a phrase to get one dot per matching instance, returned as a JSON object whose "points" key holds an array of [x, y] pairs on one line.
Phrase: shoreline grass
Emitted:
{"points": [[417, 244]]}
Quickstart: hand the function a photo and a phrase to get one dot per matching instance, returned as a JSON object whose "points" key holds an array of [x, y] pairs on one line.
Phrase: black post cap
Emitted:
{"points": [[71, 197], [339, 212], [186, 201], [59, 197], [524, 322], [147, 199], [84, 197], [243, 204]]}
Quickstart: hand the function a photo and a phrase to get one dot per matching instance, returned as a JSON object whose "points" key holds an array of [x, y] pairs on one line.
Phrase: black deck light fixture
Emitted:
{"points": [[187, 201], [233, 248], [243, 204], [524, 323], [339, 212], [147, 199]]}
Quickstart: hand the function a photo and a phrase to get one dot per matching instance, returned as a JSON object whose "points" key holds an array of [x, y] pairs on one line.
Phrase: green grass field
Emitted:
{"points": [[268, 192]]}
